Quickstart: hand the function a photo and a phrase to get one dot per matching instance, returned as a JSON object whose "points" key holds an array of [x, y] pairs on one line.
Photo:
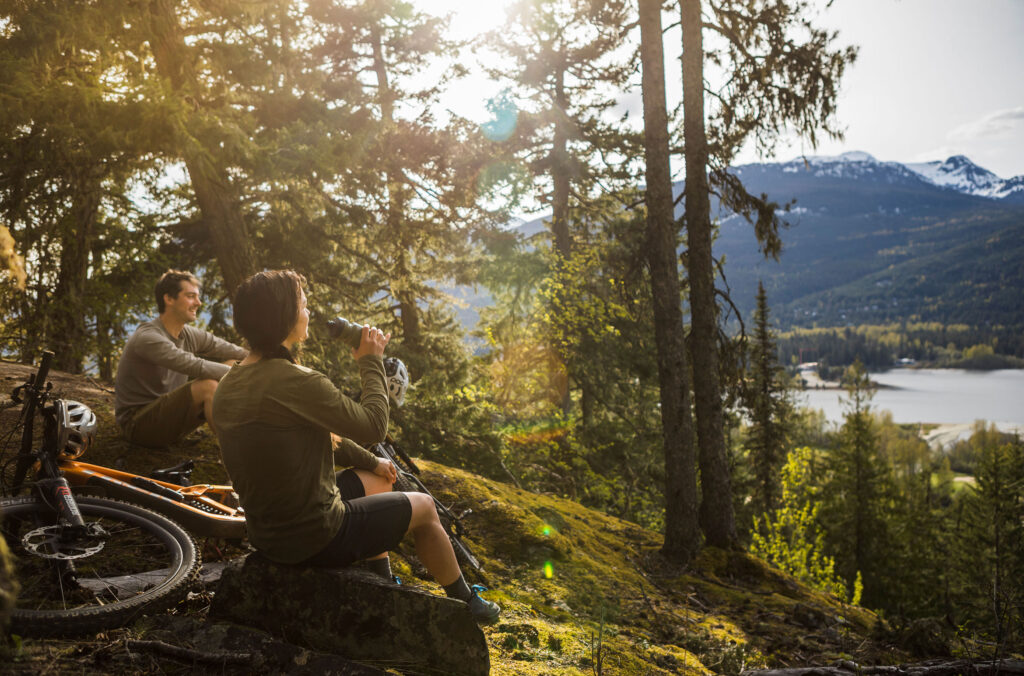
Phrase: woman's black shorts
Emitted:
{"points": [[372, 524]]}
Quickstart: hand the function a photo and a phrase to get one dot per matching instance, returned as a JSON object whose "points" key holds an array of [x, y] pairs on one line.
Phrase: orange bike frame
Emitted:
{"points": [[204, 510]]}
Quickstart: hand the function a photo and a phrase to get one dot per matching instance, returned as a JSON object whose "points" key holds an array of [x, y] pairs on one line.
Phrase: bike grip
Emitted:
{"points": [[44, 369]]}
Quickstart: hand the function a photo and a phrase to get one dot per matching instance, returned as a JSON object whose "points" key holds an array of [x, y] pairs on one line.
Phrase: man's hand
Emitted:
{"points": [[386, 469], [373, 342]]}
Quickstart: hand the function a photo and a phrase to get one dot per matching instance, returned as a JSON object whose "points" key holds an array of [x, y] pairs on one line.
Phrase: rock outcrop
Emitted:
{"points": [[355, 614]]}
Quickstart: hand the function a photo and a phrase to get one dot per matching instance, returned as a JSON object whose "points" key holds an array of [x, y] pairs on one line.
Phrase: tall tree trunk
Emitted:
{"points": [[105, 322], [404, 294], [68, 334], [716, 511], [682, 537], [560, 201], [214, 193], [560, 175]]}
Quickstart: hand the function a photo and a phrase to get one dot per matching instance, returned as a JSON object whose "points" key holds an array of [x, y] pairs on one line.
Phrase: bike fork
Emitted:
{"points": [[57, 494]]}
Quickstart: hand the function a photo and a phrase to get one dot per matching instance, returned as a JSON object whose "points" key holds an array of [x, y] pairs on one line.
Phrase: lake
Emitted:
{"points": [[945, 396]]}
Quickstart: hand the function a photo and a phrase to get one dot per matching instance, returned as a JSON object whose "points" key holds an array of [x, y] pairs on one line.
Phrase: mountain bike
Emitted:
{"points": [[83, 563], [408, 482]]}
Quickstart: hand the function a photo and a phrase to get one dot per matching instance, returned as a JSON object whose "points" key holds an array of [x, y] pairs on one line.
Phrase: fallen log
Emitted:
{"points": [[192, 656], [931, 668]]}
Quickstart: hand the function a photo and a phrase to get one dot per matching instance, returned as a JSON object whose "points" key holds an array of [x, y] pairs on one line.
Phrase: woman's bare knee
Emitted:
{"points": [[424, 513]]}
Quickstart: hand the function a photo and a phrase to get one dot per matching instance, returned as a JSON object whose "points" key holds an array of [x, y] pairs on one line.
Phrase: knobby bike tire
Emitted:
{"points": [[147, 563]]}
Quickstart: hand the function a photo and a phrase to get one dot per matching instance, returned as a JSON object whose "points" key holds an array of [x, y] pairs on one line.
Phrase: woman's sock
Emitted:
{"points": [[381, 567], [458, 589]]}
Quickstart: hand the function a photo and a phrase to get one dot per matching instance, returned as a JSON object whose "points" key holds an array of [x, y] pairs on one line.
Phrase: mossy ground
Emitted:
{"points": [[574, 582], [582, 592]]}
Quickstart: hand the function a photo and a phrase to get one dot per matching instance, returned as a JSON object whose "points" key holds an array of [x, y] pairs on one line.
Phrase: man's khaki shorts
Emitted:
{"points": [[164, 420]]}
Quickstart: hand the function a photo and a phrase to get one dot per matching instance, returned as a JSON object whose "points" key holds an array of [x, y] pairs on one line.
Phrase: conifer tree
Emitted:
{"points": [[989, 593], [70, 147], [201, 123], [682, 537], [857, 492], [414, 193], [915, 570], [767, 401], [566, 71], [782, 74]]}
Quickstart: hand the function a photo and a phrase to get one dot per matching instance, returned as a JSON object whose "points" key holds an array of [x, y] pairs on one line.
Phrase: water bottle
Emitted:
{"points": [[346, 330]]}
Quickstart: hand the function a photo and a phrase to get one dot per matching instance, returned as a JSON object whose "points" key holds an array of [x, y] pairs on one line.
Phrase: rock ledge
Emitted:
{"points": [[355, 614]]}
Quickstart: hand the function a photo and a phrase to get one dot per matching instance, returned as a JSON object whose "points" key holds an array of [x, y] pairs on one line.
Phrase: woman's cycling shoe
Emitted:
{"points": [[483, 611]]}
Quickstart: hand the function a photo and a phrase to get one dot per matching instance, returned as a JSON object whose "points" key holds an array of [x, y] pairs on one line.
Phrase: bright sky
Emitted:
{"points": [[934, 78]]}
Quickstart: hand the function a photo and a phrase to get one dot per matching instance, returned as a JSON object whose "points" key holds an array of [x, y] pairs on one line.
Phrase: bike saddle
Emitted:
{"points": [[179, 474]]}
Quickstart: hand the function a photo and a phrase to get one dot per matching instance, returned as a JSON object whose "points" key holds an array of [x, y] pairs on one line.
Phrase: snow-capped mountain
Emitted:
{"points": [[962, 175], [852, 165], [874, 241], [955, 173]]}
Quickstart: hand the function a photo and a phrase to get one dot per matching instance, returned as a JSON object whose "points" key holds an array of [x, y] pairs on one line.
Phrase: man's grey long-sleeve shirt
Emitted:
{"points": [[154, 363]]}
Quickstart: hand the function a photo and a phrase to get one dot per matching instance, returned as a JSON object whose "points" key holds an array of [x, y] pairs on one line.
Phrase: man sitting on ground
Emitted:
{"points": [[169, 370]]}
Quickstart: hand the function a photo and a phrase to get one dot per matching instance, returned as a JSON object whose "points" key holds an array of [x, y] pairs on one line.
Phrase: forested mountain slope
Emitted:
{"points": [[875, 241]]}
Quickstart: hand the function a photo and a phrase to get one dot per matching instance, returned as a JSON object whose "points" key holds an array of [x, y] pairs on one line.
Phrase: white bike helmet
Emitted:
{"points": [[77, 427], [398, 379]]}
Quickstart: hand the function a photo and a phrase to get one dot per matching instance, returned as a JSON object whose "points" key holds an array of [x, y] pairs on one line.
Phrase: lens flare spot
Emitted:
{"points": [[504, 117], [549, 570], [547, 531]]}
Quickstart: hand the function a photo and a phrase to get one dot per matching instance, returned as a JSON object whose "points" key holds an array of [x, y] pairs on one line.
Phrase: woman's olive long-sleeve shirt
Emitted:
{"points": [[274, 421]]}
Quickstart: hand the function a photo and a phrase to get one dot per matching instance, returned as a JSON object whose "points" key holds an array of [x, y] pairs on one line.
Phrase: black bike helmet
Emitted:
{"points": [[77, 425], [398, 379]]}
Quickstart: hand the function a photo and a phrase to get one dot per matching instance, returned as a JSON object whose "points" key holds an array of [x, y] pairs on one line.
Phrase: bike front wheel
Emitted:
{"points": [[126, 560]]}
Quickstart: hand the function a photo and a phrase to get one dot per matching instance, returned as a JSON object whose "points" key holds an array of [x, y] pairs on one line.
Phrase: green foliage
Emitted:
{"points": [[930, 343], [963, 455], [12, 265], [917, 560], [789, 537], [989, 594], [766, 397], [552, 318], [856, 492]]}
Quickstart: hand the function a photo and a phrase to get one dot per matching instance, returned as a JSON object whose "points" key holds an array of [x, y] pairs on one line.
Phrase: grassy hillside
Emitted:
{"points": [[578, 587], [566, 575]]}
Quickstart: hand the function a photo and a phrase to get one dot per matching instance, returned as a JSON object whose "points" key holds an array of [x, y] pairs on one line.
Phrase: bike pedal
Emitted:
{"points": [[180, 475]]}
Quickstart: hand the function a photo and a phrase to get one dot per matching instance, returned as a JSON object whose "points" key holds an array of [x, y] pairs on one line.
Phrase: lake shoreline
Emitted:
{"points": [[946, 434], [942, 397]]}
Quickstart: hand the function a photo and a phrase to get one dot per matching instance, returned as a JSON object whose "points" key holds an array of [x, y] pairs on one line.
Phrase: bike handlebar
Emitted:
{"points": [[37, 387], [44, 370]]}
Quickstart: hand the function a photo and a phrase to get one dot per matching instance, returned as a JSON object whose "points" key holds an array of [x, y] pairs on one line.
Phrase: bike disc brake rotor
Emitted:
{"points": [[53, 542]]}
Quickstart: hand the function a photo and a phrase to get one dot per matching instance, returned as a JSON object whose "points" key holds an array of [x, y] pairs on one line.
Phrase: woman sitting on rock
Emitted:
{"points": [[275, 419]]}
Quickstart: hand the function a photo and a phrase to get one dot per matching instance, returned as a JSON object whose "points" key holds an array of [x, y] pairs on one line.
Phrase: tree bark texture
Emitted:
{"points": [[560, 201], [407, 300], [560, 178], [716, 511], [68, 334], [214, 193], [681, 529]]}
